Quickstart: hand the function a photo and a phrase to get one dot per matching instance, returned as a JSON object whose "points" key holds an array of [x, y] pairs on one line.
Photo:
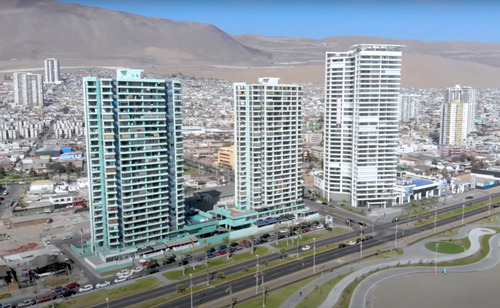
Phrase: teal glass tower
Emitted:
{"points": [[134, 161]]}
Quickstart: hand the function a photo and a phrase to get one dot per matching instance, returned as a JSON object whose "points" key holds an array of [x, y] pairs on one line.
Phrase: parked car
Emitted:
{"points": [[66, 237], [212, 255], [369, 237], [221, 252], [211, 250], [183, 262], [305, 248], [235, 245], [138, 269], [188, 257], [152, 271], [68, 293], [395, 219], [58, 289], [86, 288], [244, 242], [154, 265], [44, 299], [102, 284], [136, 275], [351, 243], [7, 306], [124, 273], [120, 279], [496, 205], [171, 259], [27, 303], [342, 245], [222, 247], [72, 285], [362, 223]]}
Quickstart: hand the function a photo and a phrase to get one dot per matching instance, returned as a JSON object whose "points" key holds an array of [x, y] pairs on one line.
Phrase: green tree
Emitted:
{"points": [[180, 288], [282, 252], [221, 276]]}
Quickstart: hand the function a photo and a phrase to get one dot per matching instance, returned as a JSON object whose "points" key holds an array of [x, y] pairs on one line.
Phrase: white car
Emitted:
{"points": [[120, 279], [306, 247], [103, 284], [86, 288], [66, 237], [351, 243], [123, 273], [137, 270]]}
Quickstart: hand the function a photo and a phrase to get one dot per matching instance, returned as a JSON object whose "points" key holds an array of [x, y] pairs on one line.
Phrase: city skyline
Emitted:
{"points": [[417, 20]]}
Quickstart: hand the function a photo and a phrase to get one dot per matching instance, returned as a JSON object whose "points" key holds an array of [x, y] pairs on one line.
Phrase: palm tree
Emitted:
{"points": [[252, 238], [227, 241], [283, 251], [220, 275], [180, 288]]}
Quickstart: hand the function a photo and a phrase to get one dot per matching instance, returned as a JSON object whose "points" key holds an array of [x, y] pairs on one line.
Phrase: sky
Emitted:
{"points": [[426, 20]]}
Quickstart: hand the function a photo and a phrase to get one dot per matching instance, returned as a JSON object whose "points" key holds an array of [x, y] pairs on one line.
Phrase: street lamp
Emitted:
{"points": [[489, 204], [191, 286], [314, 255], [107, 302], [435, 258], [361, 243], [463, 210], [257, 277], [435, 218], [396, 236]]}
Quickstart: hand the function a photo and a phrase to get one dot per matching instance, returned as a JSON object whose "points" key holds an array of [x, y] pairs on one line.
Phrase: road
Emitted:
{"points": [[248, 281]]}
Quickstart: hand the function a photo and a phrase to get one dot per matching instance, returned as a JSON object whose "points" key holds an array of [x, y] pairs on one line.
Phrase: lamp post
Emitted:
{"points": [[107, 302], [361, 242], [463, 210], [263, 291], [191, 286], [257, 277], [314, 255], [489, 204], [396, 236], [435, 259], [435, 218]]}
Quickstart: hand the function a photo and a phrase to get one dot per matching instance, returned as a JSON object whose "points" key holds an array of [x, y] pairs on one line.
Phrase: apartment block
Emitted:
{"points": [[361, 115], [135, 162], [409, 106], [268, 142], [52, 75], [28, 90], [226, 157]]}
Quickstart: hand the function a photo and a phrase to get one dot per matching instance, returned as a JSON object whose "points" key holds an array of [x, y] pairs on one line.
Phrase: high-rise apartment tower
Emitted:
{"points": [[409, 106], [28, 89], [135, 162], [361, 116], [52, 71], [268, 139]]}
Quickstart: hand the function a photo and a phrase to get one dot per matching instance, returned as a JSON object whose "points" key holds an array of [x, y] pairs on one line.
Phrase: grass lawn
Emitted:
{"points": [[449, 233], [99, 297], [57, 282], [445, 247], [188, 170], [219, 263], [319, 295], [277, 297], [483, 252], [5, 295], [488, 220], [455, 212]]}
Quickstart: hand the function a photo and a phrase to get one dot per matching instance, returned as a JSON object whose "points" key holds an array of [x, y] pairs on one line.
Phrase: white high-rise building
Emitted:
{"points": [[466, 95], [52, 71], [268, 139], [28, 89], [457, 115], [361, 117], [409, 106]]}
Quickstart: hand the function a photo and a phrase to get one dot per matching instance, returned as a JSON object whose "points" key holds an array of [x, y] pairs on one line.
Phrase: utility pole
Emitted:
{"points": [[396, 236]]}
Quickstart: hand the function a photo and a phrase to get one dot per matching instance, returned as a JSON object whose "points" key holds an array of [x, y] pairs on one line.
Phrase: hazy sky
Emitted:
{"points": [[427, 20]]}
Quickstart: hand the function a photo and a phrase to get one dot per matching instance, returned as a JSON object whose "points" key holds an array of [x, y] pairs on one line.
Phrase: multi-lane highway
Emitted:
{"points": [[248, 281]]}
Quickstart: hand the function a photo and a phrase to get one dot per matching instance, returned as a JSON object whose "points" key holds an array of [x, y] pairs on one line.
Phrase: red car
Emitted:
{"points": [[307, 230], [72, 285], [46, 298], [222, 252], [244, 242]]}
